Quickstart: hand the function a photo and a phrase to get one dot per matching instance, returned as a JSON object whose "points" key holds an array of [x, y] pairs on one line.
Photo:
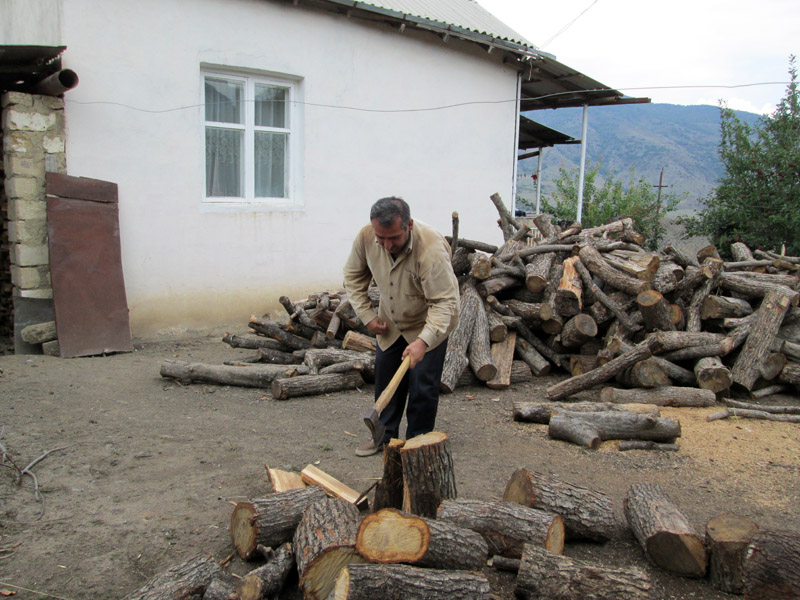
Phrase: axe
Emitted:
{"points": [[372, 418]]}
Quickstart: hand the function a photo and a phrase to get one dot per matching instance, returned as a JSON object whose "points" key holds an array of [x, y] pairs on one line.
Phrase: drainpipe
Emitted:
{"points": [[57, 83], [583, 162]]}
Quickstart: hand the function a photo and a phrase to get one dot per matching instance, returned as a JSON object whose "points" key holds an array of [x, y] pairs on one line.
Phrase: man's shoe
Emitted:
{"points": [[368, 448]]}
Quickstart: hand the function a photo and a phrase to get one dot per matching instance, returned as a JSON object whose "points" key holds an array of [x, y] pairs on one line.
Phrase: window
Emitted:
{"points": [[248, 139]]}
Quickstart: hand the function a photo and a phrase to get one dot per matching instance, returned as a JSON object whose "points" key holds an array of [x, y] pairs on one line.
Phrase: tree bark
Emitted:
{"points": [[727, 537], [578, 330], [185, 581], [252, 342], [458, 343], [502, 358], [545, 575], [723, 307], [324, 542], [251, 375], [267, 580], [587, 514], [506, 526], [391, 536], [537, 270], [310, 385], [480, 348], [428, 476], [270, 521], [368, 582], [668, 539], [623, 445], [772, 566], [538, 364], [661, 396], [655, 310], [319, 358]]}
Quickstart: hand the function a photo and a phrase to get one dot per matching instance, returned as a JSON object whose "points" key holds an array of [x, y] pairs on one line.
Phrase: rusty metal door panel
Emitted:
{"points": [[86, 266]]}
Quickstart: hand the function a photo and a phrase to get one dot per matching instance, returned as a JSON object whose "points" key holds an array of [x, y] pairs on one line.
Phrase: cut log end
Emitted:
{"points": [[390, 536], [244, 533], [556, 536], [678, 553], [318, 581]]}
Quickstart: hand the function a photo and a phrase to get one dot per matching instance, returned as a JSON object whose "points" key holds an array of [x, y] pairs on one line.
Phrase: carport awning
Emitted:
{"points": [[535, 135]]}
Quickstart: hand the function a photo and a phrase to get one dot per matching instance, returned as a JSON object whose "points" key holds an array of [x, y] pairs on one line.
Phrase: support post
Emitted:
{"points": [[583, 162]]}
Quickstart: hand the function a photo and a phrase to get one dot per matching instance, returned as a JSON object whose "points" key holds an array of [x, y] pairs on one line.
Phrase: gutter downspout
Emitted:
{"points": [[583, 162]]}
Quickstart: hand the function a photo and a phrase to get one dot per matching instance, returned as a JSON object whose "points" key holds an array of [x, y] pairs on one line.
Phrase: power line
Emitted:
{"points": [[568, 25]]}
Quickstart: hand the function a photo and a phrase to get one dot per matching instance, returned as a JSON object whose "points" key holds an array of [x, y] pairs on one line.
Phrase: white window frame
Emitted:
{"points": [[249, 79]]}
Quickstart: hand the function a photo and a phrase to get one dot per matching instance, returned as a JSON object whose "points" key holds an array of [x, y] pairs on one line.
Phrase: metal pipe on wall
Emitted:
{"points": [[57, 83], [583, 162]]}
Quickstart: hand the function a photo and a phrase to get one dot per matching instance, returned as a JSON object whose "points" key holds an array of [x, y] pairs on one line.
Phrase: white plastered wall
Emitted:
{"points": [[136, 119]]}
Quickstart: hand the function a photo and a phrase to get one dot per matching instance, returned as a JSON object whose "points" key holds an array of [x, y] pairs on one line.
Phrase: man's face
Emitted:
{"points": [[392, 238]]}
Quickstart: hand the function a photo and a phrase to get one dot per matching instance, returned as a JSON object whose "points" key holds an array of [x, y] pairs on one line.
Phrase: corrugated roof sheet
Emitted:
{"points": [[466, 14]]}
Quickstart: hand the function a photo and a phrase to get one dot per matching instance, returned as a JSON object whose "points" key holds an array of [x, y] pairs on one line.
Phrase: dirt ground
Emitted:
{"points": [[143, 472]]}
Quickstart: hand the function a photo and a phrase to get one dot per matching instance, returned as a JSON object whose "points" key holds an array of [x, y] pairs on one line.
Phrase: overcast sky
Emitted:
{"points": [[627, 44]]}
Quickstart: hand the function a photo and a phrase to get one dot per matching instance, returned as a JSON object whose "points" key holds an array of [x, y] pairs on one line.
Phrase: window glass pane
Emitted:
{"points": [[271, 163], [224, 100], [224, 151], [271, 107]]}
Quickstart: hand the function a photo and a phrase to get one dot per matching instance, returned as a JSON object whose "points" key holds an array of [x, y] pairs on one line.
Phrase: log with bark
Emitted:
{"points": [[502, 358], [389, 490], [587, 514], [309, 385], [668, 539], [275, 331], [324, 542], [712, 374], [479, 353], [392, 536], [589, 429], [185, 581], [250, 375], [543, 574], [252, 342], [661, 396], [728, 537], [458, 343], [772, 566], [596, 263], [368, 582], [270, 521], [268, 579], [541, 412], [428, 476], [506, 526]]}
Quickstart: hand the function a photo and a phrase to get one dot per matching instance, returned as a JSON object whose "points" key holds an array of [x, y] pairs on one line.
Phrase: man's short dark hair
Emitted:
{"points": [[386, 210]]}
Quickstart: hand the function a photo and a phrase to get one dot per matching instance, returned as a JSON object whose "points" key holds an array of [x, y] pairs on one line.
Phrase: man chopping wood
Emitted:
{"points": [[410, 263]]}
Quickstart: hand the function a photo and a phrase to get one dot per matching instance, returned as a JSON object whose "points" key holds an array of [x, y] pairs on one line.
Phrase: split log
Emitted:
{"points": [[249, 375], [712, 374], [772, 566], [747, 368], [587, 514], [588, 429], [600, 374], [458, 343], [623, 445], [389, 490], [727, 537], [275, 331], [569, 295], [270, 521], [506, 526], [185, 581], [661, 396], [310, 385], [641, 265], [546, 575], [480, 357], [368, 582], [427, 473], [324, 542], [595, 262], [283, 481], [359, 342], [541, 412], [332, 486], [502, 358], [536, 362], [655, 311], [668, 539], [268, 579], [391, 536]]}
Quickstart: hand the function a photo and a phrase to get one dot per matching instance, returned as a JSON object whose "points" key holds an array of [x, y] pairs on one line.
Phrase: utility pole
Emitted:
{"points": [[659, 186]]}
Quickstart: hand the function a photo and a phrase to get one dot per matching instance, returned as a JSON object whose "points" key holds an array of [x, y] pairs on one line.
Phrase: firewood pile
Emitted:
{"points": [[417, 540]]}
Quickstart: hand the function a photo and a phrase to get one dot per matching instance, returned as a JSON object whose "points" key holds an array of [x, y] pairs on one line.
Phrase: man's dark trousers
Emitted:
{"points": [[421, 385]]}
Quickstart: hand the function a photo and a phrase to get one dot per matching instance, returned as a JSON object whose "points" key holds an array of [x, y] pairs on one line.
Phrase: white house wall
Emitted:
{"points": [[136, 119]]}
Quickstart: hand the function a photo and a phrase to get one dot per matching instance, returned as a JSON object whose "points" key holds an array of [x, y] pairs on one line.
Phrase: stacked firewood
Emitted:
{"points": [[417, 540]]}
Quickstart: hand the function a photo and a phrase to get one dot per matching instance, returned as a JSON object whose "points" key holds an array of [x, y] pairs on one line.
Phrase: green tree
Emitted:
{"points": [[612, 200], [758, 199]]}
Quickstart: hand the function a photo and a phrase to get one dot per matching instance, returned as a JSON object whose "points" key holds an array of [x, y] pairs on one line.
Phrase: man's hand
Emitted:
{"points": [[377, 326], [416, 350]]}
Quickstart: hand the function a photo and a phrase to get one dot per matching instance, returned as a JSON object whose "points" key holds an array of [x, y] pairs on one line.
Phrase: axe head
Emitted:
{"points": [[376, 427]]}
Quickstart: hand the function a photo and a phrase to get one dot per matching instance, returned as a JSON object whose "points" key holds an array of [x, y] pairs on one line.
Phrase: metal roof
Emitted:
{"points": [[536, 135]]}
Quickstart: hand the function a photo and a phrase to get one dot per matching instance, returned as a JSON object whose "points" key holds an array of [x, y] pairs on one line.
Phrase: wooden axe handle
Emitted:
{"points": [[388, 392]]}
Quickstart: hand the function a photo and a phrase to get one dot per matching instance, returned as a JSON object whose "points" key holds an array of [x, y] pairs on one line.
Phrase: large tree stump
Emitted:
{"points": [[668, 539], [747, 368], [588, 429], [186, 581], [772, 566], [458, 343], [587, 514], [270, 521], [259, 376], [368, 582], [310, 385], [727, 537], [268, 579], [667, 395], [546, 575], [391, 536], [324, 542], [428, 476], [506, 526], [389, 490]]}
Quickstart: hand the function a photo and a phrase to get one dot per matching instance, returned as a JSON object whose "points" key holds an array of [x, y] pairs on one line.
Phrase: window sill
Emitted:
{"points": [[243, 207]]}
